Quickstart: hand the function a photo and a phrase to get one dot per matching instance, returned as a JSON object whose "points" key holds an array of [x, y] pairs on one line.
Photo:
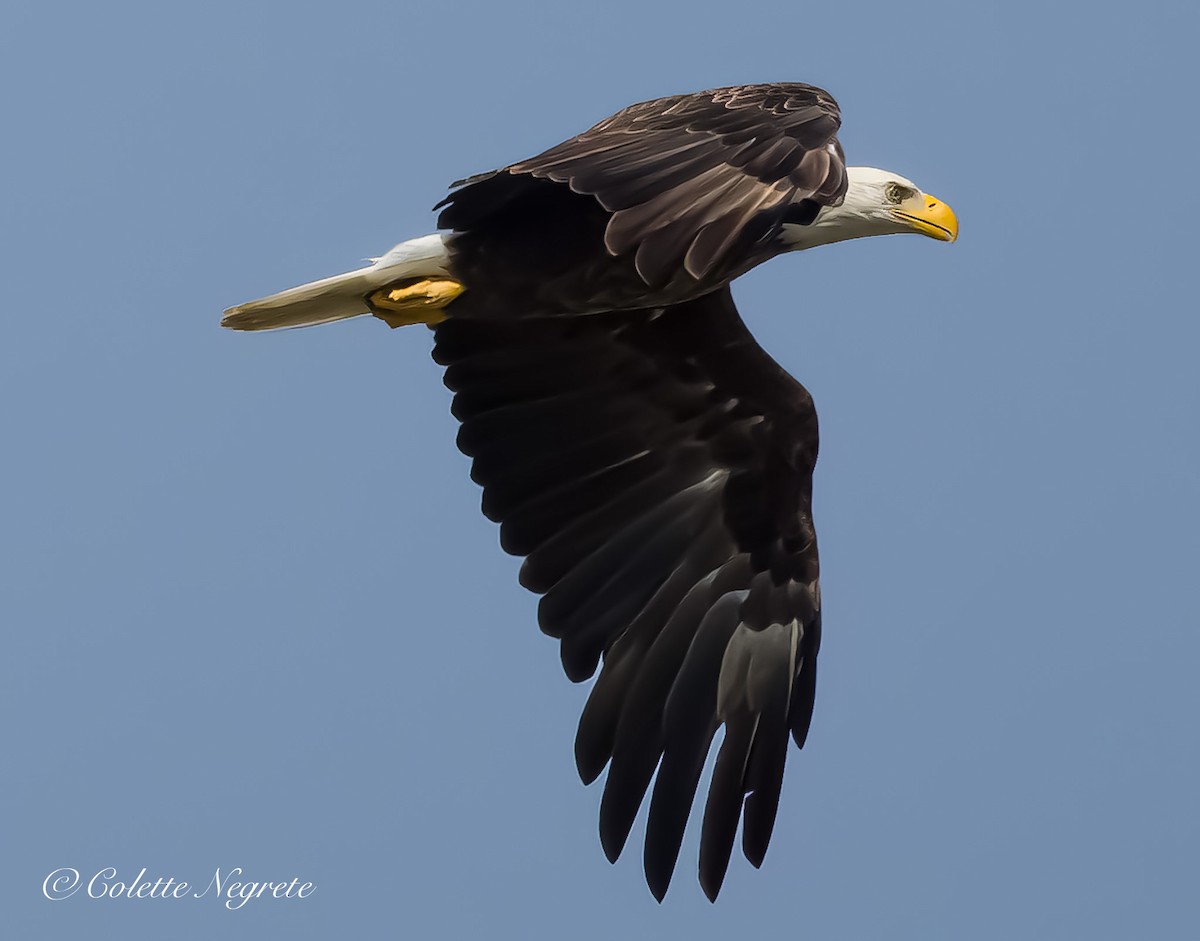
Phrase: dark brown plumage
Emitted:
{"points": [[663, 202], [655, 468]]}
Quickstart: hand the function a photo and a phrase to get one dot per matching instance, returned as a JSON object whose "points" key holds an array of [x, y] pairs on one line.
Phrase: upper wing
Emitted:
{"points": [[690, 177], [655, 468]]}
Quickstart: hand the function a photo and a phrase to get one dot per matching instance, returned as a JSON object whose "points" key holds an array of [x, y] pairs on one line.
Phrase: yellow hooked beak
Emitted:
{"points": [[933, 218]]}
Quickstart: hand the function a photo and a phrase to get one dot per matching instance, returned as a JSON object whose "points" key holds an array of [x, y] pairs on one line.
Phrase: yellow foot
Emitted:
{"points": [[416, 301]]}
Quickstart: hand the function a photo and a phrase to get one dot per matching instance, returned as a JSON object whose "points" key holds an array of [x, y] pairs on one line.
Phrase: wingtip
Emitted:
{"points": [[659, 867], [612, 842], [658, 887], [755, 841], [712, 874], [588, 770], [618, 810]]}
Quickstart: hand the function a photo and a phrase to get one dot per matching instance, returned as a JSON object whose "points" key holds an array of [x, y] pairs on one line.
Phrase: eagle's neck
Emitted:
{"points": [[863, 212]]}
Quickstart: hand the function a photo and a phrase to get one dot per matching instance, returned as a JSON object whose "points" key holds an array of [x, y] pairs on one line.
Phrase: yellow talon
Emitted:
{"points": [[420, 301]]}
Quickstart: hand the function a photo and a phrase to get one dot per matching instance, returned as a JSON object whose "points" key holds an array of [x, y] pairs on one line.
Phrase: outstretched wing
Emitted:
{"points": [[655, 468], [689, 178]]}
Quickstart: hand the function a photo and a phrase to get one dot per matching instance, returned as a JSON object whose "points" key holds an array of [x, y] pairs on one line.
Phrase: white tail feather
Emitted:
{"points": [[343, 295]]}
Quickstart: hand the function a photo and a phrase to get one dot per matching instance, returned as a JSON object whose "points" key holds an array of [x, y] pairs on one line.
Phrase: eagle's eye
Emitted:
{"points": [[896, 193]]}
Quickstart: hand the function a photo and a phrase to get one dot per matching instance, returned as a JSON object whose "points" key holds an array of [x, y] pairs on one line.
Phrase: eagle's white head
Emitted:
{"points": [[878, 202]]}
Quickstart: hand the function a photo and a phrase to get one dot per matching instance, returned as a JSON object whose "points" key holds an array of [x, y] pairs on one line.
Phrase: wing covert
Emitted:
{"points": [[691, 179]]}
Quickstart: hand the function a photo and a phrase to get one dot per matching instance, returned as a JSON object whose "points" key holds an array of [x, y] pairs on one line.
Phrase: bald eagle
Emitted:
{"points": [[651, 463]]}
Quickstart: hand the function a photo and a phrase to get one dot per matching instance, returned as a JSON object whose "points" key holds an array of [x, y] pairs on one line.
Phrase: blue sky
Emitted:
{"points": [[255, 618]]}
